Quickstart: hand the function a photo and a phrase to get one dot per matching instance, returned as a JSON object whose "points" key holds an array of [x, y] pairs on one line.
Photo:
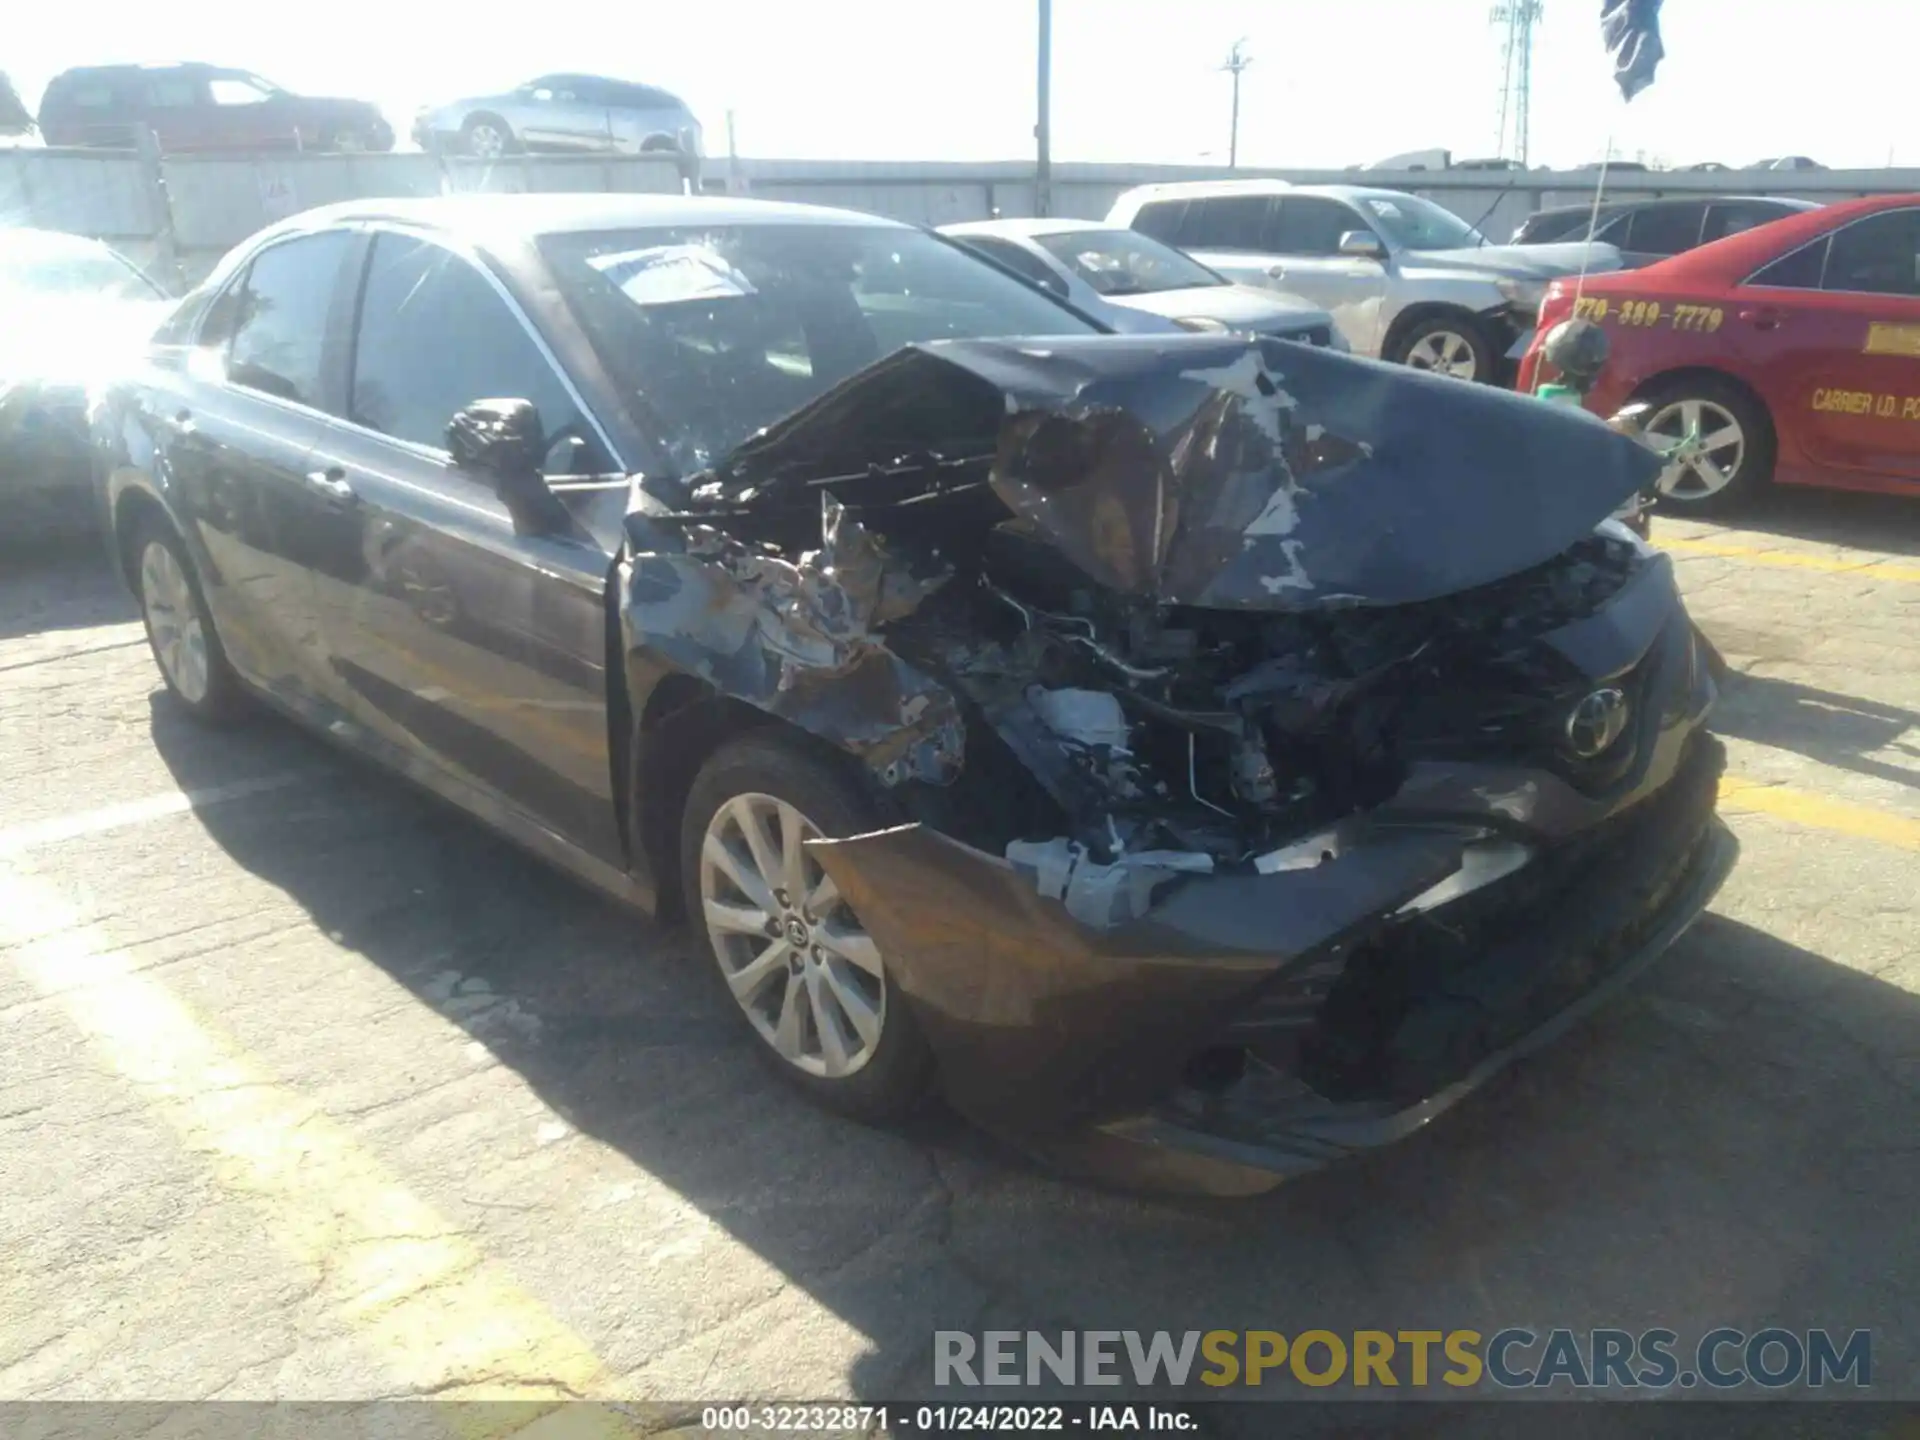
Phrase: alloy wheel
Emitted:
{"points": [[486, 142], [1445, 352], [173, 622], [1705, 447], [795, 956]]}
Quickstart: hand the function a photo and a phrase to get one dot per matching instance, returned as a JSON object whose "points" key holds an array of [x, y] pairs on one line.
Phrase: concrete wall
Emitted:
{"points": [[179, 214]]}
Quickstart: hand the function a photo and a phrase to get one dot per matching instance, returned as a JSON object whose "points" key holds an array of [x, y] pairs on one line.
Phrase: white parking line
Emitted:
{"points": [[18, 838]]}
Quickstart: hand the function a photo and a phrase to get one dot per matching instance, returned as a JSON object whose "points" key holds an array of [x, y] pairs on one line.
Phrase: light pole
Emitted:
{"points": [[1237, 60], [1043, 128]]}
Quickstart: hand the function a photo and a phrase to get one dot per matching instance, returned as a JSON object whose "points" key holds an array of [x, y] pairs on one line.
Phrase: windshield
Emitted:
{"points": [[1125, 262], [62, 268], [1410, 223], [720, 331]]}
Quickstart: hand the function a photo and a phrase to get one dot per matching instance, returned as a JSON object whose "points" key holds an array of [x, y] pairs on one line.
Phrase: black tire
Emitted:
{"points": [[1754, 471], [222, 699], [479, 120], [896, 1078], [1486, 353]]}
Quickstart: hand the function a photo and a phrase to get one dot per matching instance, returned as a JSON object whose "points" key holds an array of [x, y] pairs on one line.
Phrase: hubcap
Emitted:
{"points": [[1445, 352], [173, 622], [1704, 445], [793, 952], [486, 142]]}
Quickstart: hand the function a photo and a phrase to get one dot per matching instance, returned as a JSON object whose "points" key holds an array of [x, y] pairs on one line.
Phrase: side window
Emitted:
{"points": [[1306, 225], [172, 92], [277, 316], [435, 336], [1664, 229], [1877, 256], [1226, 222], [92, 95], [1161, 219], [228, 91], [1027, 266], [1800, 270], [1731, 219]]}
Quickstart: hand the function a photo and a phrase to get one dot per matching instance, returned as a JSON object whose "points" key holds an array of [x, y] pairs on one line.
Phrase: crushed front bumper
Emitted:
{"points": [[1248, 1028]]}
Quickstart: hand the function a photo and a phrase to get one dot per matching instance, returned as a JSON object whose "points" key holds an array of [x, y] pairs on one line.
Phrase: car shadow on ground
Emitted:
{"points": [[1844, 731], [1729, 1143], [1889, 524], [63, 584]]}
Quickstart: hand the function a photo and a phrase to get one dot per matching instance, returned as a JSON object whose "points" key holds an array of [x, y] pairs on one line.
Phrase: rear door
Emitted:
{"points": [[1226, 232], [467, 648], [1842, 370], [175, 104], [560, 115], [238, 426]]}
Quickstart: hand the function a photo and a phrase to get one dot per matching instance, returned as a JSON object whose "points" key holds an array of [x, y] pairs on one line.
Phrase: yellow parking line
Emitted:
{"points": [[436, 1314], [1739, 795], [1791, 559]]}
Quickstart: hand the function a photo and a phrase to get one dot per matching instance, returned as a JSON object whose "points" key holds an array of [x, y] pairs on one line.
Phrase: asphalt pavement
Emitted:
{"points": [[313, 1090]]}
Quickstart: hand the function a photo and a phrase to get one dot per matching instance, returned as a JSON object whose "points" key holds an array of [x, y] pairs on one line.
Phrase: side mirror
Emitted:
{"points": [[1362, 244], [504, 442]]}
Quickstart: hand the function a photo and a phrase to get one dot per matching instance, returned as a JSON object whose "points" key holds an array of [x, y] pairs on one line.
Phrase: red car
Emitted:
{"points": [[1790, 352]]}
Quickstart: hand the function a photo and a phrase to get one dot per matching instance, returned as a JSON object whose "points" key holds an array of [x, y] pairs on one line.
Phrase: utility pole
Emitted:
{"points": [[1043, 129], [1237, 60]]}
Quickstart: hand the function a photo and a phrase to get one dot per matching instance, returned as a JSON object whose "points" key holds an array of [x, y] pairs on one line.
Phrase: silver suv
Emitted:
{"points": [[580, 114], [1404, 278]]}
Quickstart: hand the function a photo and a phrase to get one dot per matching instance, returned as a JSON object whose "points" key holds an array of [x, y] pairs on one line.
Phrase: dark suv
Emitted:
{"points": [[201, 107]]}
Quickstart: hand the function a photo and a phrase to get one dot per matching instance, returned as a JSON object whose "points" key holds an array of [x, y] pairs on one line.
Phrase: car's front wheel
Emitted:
{"points": [[793, 956], [180, 628], [1453, 345], [1718, 442]]}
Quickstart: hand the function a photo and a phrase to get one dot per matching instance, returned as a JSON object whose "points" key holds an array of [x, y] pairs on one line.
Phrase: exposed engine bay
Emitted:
{"points": [[1121, 625]]}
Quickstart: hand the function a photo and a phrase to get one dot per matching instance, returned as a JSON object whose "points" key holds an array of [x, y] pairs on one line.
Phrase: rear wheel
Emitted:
{"points": [[179, 628], [1454, 345], [791, 953], [1718, 440]]}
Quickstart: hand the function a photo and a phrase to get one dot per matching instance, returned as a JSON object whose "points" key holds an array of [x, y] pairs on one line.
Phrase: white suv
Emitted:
{"points": [[1404, 278]]}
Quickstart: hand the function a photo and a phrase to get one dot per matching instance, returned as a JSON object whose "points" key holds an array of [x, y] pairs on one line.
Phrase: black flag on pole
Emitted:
{"points": [[1631, 29]]}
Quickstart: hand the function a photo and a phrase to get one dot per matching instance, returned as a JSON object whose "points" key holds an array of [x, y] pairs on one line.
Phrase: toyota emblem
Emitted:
{"points": [[1596, 722]]}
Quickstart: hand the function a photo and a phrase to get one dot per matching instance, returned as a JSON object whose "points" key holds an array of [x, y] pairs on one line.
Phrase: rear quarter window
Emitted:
{"points": [[1161, 219]]}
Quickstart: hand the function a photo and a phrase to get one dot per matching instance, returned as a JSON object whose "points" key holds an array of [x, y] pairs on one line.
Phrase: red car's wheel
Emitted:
{"points": [[1719, 442]]}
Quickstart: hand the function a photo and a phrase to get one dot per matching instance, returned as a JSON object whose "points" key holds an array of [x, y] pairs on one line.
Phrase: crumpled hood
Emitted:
{"points": [[1521, 262], [1226, 471]]}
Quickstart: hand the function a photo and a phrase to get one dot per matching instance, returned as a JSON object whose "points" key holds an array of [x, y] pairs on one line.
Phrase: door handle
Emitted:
{"points": [[1763, 317], [333, 486]]}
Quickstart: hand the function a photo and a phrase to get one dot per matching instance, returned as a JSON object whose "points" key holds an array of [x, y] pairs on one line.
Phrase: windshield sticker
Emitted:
{"points": [[673, 274]]}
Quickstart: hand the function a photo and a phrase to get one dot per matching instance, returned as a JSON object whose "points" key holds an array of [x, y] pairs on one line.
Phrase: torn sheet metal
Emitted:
{"points": [[798, 638], [1225, 471]]}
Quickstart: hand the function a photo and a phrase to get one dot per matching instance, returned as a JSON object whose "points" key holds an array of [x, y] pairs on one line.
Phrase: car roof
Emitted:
{"points": [[527, 215], [1621, 207], [1732, 259], [1027, 228], [1200, 189]]}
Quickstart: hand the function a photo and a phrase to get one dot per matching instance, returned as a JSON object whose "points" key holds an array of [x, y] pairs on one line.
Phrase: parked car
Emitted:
{"points": [[1784, 353], [1133, 283], [584, 114], [201, 107], [72, 312], [1644, 231], [1404, 279], [1051, 721]]}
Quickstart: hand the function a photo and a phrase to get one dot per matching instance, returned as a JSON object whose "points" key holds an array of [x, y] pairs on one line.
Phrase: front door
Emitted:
{"points": [[1304, 239], [464, 644], [1844, 359]]}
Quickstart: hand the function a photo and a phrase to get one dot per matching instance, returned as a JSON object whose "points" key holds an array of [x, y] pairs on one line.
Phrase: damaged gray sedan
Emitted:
{"points": [[1198, 757]]}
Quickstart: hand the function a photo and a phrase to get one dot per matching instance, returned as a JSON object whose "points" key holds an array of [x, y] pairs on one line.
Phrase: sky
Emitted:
{"points": [[1333, 82]]}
